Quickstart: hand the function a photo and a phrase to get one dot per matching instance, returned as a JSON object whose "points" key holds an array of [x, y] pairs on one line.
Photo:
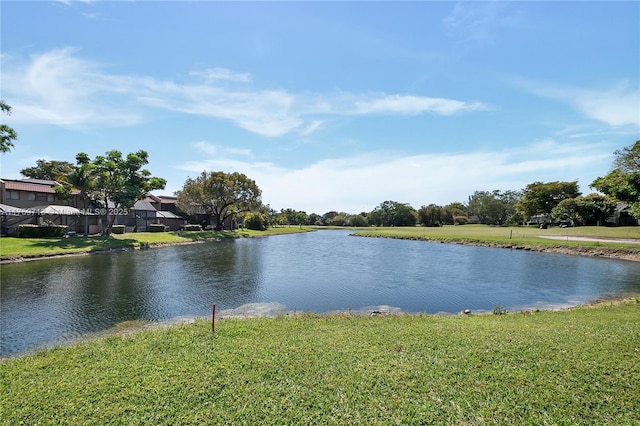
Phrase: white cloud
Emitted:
{"points": [[360, 183], [477, 21], [617, 106], [57, 87], [413, 105], [214, 74]]}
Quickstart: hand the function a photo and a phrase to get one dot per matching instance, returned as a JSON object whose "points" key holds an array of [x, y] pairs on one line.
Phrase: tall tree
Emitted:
{"points": [[623, 182], [48, 170], [223, 195], [393, 213], [542, 197], [432, 215], [112, 182], [7, 134], [582, 210], [493, 208]]}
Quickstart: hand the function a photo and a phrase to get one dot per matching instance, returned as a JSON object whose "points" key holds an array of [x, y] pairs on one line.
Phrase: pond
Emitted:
{"points": [[59, 300]]}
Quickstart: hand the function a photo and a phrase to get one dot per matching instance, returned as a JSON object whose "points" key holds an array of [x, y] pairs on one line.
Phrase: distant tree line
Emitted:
{"points": [[113, 179], [542, 201]]}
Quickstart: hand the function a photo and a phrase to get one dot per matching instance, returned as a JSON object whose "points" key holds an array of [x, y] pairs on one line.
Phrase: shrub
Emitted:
{"points": [[117, 229], [193, 227], [42, 231], [255, 221], [497, 310], [460, 220], [157, 227], [358, 220]]}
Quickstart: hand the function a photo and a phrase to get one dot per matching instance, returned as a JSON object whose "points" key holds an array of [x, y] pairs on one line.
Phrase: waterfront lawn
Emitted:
{"points": [[568, 367], [33, 247], [519, 235]]}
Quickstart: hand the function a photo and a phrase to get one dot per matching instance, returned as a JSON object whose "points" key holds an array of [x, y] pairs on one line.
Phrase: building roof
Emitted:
{"points": [[143, 205], [17, 185], [7, 210], [52, 209], [166, 199], [168, 215], [33, 185]]}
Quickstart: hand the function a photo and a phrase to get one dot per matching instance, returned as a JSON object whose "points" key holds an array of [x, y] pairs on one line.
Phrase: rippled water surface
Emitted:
{"points": [[57, 300]]}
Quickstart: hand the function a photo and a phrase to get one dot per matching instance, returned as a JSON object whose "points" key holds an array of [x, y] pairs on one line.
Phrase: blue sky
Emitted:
{"points": [[328, 105]]}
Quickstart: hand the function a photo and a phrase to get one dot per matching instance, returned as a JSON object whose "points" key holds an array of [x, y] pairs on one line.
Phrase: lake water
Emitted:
{"points": [[59, 300]]}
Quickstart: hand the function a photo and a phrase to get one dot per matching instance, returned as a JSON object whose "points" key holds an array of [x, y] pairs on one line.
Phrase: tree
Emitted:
{"points": [[49, 170], [7, 134], [454, 214], [255, 221], [623, 182], [358, 220], [493, 208], [111, 182], [223, 195], [541, 198], [582, 210], [628, 158], [392, 213], [431, 215]]}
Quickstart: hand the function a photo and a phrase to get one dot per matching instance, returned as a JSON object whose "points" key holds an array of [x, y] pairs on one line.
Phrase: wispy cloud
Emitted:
{"points": [[60, 88], [214, 74], [478, 20], [56, 87], [616, 106], [360, 183], [413, 105]]}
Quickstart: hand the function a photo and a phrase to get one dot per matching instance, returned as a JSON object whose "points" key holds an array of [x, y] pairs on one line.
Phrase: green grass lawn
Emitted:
{"points": [[482, 234], [511, 235], [33, 247], [567, 367]]}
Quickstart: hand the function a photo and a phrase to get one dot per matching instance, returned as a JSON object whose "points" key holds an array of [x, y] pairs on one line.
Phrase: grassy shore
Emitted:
{"points": [[567, 367], [25, 248], [615, 242], [615, 239]]}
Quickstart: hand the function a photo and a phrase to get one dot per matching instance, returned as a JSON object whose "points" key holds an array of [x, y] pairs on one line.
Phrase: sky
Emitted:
{"points": [[328, 106]]}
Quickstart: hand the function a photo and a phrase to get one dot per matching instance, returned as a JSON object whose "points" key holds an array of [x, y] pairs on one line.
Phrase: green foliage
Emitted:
{"points": [[569, 367], [358, 221], [493, 208], [118, 229], [498, 310], [623, 182], [431, 215], [541, 198], [255, 221], [582, 210], [111, 182], [223, 195], [157, 227], [393, 213], [49, 170], [460, 220], [42, 231], [7, 134], [192, 227]]}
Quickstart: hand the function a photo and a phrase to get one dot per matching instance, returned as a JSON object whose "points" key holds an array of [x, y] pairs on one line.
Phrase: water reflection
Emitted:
{"points": [[60, 299]]}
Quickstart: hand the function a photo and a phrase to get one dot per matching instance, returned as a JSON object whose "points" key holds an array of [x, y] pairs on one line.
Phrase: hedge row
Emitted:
{"points": [[42, 231], [117, 229], [157, 227]]}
